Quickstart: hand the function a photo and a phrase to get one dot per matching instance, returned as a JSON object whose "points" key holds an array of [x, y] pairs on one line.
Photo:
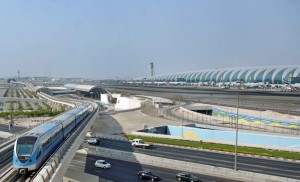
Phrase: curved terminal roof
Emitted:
{"points": [[92, 90], [270, 74], [83, 88]]}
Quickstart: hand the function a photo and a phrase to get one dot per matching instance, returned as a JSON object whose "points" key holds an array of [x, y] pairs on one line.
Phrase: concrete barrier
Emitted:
{"points": [[44, 174]]}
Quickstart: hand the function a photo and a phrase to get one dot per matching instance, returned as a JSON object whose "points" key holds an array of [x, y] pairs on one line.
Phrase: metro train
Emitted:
{"points": [[34, 147]]}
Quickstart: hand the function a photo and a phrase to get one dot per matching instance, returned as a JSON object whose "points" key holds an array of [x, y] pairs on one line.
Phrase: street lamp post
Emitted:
{"points": [[237, 129]]}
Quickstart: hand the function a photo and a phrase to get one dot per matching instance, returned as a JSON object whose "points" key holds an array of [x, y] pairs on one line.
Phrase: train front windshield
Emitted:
{"points": [[25, 145]]}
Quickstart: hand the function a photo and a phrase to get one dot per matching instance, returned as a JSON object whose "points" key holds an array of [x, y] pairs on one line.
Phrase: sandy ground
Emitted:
{"points": [[25, 122], [126, 122], [29, 122]]}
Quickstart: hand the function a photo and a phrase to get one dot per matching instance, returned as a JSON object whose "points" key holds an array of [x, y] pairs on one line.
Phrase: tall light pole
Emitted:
{"points": [[237, 129]]}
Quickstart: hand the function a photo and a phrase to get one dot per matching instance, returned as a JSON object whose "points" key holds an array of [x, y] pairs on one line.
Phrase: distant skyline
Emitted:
{"points": [[117, 39]]}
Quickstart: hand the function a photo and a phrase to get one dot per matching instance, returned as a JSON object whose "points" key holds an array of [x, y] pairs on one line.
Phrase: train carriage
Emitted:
{"points": [[34, 147]]}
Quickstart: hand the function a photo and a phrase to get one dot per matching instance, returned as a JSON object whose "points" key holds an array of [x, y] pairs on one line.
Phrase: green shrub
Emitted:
{"points": [[37, 113]]}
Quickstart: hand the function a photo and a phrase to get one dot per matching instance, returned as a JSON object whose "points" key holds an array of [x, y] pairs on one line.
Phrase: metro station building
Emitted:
{"points": [[270, 74], [91, 91]]}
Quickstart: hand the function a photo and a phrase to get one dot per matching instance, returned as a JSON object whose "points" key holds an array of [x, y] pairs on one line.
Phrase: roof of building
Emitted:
{"points": [[271, 74], [94, 91], [84, 88]]}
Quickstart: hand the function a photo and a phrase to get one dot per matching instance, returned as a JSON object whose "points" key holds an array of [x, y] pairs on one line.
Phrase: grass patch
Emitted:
{"points": [[220, 147], [36, 113]]}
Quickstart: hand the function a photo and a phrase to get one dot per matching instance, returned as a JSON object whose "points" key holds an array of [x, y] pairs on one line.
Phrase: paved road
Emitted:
{"points": [[126, 171], [266, 166], [254, 98], [14, 129]]}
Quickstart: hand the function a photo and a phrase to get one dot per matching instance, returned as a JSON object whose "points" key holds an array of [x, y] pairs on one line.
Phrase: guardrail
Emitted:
{"points": [[279, 110], [185, 166], [191, 116], [6, 153]]}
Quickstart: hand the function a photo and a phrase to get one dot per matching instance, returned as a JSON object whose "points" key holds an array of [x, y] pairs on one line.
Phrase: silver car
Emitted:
{"points": [[93, 141], [102, 164]]}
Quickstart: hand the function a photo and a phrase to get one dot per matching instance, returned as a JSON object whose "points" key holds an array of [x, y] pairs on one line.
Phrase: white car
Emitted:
{"points": [[93, 141], [102, 164], [140, 143]]}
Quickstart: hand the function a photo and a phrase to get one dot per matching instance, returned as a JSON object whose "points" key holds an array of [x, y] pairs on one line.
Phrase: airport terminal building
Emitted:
{"points": [[270, 74]]}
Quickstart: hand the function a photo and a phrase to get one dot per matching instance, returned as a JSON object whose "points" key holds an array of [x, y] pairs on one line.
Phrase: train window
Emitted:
{"points": [[25, 145], [43, 145], [39, 153]]}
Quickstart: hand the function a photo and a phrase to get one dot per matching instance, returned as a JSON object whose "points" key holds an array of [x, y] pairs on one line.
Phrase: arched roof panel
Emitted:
{"points": [[258, 74], [83, 88]]}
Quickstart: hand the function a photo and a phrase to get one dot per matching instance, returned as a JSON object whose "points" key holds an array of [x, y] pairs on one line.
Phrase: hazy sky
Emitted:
{"points": [[118, 39]]}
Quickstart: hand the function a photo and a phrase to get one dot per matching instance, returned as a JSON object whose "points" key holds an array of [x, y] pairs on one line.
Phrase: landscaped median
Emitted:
{"points": [[220, 147]]}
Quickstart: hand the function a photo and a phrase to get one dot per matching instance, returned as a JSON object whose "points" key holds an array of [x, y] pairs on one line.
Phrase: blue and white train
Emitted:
{"points": [[34, 147]]}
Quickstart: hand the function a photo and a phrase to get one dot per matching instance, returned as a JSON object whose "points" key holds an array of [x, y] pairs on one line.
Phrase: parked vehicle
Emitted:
{"points": [[141, 143], [93, 141], [102, 164], [184, 176], [148, 175]]}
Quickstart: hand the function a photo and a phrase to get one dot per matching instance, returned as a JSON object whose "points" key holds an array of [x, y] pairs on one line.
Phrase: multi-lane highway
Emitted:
{"points": [[258, 165], [125, 171]]}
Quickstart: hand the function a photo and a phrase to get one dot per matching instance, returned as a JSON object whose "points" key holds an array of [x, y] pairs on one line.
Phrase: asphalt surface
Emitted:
{"points": [[126, 171], [14, 129], [259, 165], [259, 99]]}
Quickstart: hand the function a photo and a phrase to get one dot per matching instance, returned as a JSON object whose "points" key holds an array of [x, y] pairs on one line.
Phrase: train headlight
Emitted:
{"points": [[30, 160], [17, 160]]}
